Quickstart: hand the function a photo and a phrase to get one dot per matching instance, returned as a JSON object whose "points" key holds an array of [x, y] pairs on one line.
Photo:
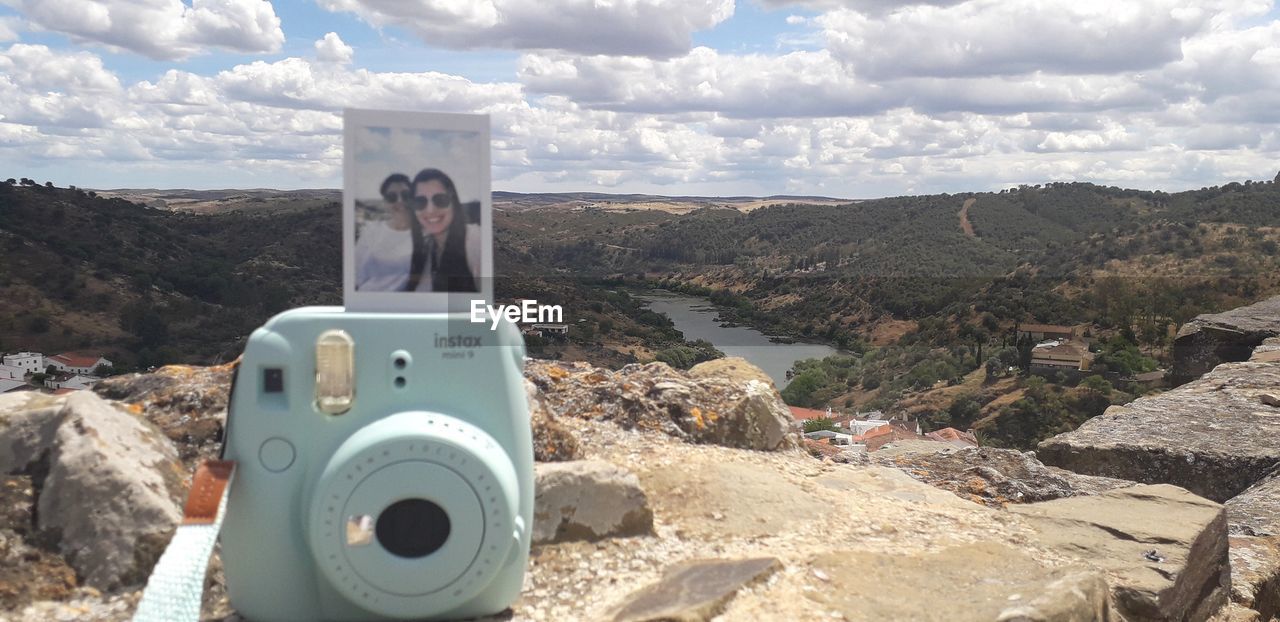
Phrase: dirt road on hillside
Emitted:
{"points": [[964, 218]]}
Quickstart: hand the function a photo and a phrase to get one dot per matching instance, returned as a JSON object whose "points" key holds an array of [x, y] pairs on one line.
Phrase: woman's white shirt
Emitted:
{"points": [[382, 258]]}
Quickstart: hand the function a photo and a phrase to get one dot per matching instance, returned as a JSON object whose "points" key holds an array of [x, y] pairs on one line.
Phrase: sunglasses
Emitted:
{"points": [[403, 196], [440, 200]]}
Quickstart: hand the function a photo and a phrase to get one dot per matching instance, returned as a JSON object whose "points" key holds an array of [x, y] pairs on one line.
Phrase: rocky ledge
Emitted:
{"points": [[661, 495], [1215, 338], [1219, 437]]}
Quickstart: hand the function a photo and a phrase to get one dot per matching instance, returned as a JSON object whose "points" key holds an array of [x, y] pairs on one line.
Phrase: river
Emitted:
{"points": [[696, 318]]}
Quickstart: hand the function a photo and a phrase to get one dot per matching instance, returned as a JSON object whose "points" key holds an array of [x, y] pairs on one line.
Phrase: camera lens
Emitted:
{"points": [[412, 528]]}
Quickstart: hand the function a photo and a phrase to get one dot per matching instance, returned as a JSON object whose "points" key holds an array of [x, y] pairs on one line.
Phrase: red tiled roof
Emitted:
{"points": [[819, 448], [952, 434], [76, 359], [885, 434], [805, 414], [1045, 328]]}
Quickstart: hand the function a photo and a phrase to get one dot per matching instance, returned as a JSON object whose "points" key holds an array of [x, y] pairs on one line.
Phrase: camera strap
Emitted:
{"points": [[176, 587]]}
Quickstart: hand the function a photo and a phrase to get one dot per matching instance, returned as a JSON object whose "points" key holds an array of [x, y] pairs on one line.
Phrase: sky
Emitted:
{"points": [[841, 98]]}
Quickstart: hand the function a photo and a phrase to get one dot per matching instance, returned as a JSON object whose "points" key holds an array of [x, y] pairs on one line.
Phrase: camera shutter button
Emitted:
{"points": [[276, 454]]}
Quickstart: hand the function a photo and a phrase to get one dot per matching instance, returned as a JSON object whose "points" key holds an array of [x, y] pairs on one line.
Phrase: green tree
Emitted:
{"points": [[821, 423]]}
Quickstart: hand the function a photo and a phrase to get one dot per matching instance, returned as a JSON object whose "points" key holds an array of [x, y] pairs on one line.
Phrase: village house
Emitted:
{"points": [[29, 362], [1043, 332], [9, 372], [77, 363], [72, 382], [1071, 359], [552, 329]]}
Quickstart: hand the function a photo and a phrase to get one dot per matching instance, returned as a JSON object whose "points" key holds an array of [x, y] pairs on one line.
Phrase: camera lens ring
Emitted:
{"points": [[435, 451]]}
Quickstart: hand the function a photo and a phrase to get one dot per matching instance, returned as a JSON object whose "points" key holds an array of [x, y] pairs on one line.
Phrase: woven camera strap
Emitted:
{"points": [[176, 586]]}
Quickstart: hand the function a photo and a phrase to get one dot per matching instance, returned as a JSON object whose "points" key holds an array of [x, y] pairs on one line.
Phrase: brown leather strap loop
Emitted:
{"points": [[206, 492]]}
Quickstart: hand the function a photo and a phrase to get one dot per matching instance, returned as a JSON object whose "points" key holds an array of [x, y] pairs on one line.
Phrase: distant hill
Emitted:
{"points": [[148, 285]]}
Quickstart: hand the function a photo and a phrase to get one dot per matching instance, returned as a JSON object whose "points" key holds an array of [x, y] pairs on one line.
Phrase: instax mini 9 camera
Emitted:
{"points": [[384, 468]]}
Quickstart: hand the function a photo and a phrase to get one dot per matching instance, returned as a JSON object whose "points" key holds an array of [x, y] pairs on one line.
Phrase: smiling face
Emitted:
{"points": [[435, 217]]}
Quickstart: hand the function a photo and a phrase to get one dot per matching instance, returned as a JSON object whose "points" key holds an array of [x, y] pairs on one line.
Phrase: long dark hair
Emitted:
{"points": [[451, 273]]}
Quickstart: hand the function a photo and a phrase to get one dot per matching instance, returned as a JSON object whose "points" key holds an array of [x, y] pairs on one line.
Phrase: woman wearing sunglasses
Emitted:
{"points": [[446, 248], [383, 244]]}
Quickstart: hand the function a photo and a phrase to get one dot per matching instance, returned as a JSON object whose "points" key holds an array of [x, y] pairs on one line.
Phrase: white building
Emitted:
{"points": [[75, 383], [9, 372], [858, 427], [76, 363], [554, 329], [28, 362], [11, 385]]}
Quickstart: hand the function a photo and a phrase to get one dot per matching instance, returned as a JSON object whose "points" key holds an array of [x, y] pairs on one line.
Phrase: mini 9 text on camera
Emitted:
{"points": [[384, 468]]}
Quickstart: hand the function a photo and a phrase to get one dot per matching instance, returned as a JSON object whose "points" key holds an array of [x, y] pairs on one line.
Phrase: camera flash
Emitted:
{"points": [[335, 372]]}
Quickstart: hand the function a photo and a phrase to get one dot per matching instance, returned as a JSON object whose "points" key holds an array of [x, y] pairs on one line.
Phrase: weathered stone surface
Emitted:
{"points": [[748, 414], [1163, 548], [1215, 338], [552, 440], [26, 572], [694, 591], [731, 368], [189, 404], [587, 500], [107, 484], [1254, 521], [995, 477], [111, 494], [1213, 436], [28, 422], [979, 582], [1268, 352], [710, 501]]}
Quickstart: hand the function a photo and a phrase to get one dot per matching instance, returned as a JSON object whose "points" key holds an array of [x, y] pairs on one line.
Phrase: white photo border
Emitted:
{"points": [[414, 302]]}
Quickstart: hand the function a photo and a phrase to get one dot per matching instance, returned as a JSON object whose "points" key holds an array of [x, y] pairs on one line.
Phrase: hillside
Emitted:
{"points": [[898, 280], [148, 286]]}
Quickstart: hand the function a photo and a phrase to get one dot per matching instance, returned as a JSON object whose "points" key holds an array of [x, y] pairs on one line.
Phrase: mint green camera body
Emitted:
{"points": [[416, 503]]}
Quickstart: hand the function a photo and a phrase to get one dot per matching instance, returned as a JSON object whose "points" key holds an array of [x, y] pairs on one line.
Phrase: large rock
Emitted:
{"points": [[189, 404], [1268, 352], [982, 582], [1215, 338], [904, 549], [553, 441], [587, 500], [1214, 437], [746, 413], [28, 423], [1163, 548], [694, 591], [731, 368], [1254, 521], [108, 485], [994, 477]]}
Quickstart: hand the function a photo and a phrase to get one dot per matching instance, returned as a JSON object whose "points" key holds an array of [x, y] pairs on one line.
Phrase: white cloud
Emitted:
{"points": [[9, 27], [660, 28], [298, 83], [331, 49], [162, 29], [997, 37], [806, 84], [703, 121]]}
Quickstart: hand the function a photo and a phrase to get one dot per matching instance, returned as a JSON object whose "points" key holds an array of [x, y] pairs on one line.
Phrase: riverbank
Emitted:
{"points": [[699, 318]]}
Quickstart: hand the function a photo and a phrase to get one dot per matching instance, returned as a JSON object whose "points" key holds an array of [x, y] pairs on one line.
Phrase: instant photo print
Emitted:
{"points": [[416, 203]]}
